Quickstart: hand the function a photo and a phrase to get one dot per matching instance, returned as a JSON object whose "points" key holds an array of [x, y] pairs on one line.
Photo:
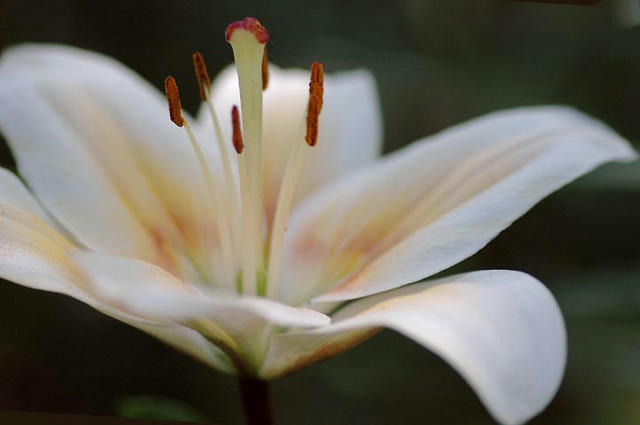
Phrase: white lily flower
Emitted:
{"points": [[184, 238]]}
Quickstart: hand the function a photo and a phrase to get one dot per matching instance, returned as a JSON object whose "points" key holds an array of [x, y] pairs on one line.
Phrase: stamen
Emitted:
{"points": [[248, 253], [314, 107], [204, 83], [173, 97], [232, 196], [175, 113], [237, 132], [290, 178], [265, 70]]}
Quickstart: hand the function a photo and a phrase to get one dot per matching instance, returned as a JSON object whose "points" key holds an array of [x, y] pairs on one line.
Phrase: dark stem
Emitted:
{"points": [[256, 401]]}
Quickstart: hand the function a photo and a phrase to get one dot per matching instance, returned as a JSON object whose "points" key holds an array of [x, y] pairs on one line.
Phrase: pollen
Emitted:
{"points": [[265, 70], [314, 107], [248, 24], [202, 76], [173, 97], [237, 132]]}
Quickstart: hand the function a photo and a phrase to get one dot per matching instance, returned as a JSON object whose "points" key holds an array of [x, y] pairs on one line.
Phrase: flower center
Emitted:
{"points": [[250, 249]]}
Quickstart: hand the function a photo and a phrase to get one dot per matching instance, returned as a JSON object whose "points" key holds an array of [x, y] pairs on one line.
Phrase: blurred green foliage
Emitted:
{"points": [[437, 63], [154, 407]]}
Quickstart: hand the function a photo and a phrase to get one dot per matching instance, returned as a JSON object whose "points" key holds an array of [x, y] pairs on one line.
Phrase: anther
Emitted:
{"points": [[173, 97], [237, 132], [248, 24], [265, 70], [201, 75], [314, 107]]}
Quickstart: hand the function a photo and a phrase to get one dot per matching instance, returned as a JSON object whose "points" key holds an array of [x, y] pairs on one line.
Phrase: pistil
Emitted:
{"points": [[248, 38]]}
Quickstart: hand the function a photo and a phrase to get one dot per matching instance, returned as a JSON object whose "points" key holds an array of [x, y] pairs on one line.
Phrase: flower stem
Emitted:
{"points": [[256, 401]]}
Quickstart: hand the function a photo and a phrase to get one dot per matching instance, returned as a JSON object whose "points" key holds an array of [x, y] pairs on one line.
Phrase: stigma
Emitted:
{"points": [[248, 25], [249, 248]]}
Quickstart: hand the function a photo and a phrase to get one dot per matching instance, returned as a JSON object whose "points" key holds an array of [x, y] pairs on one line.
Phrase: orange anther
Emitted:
{"points": [[265, 70], [201, 75], [314, 107], [173, 97], [236, 137]]}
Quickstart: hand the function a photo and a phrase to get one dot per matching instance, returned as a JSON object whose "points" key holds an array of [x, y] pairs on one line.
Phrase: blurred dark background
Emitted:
{"points": [[437, 63]]}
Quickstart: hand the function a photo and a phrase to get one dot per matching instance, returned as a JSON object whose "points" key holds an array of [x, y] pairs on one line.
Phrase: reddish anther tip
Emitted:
{"points": [[204, 83], [314, 107], [236, 136], [248, 24], [265, 70], [173, 97]]}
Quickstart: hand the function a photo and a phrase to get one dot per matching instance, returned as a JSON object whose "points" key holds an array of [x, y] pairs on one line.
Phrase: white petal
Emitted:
{"points": [[501, 330], [88, 207], [180, 337], [13, 192], [94, 142], [350, 133], [243, 324], [438, 201], [33, 254], [149, 291]]}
